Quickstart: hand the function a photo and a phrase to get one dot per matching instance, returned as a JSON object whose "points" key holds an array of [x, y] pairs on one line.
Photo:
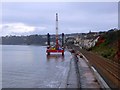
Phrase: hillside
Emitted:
{"points": [[30, 39], [23, 40], [108, 45]]}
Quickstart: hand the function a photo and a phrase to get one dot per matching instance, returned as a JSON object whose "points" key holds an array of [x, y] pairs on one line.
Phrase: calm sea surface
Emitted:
{"points": [[29, 67]]}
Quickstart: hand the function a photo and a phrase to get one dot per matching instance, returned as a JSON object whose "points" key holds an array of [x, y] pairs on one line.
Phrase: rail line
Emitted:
{"points": [[108, 70]]}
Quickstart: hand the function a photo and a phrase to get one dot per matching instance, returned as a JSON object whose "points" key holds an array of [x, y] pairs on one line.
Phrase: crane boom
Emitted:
{"points": [[57, 46]]}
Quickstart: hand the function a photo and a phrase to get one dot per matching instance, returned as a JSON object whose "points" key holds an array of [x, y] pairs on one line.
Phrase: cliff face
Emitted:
{"points": [[108, 45]]}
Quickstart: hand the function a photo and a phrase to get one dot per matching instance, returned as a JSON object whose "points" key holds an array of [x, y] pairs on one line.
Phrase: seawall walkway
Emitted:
{"points": [[80, 74]]}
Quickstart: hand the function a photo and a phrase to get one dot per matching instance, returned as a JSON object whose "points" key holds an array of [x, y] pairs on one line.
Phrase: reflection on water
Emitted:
{"points": [[57, 57], [29, 67]]}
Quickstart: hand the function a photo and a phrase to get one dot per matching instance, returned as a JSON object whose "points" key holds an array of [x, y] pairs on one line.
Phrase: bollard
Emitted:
{"points": [[48, 39], [62, 39]]}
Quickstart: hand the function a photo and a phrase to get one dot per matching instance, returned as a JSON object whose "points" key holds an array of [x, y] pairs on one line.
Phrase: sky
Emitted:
{"points": [[26, 18]]}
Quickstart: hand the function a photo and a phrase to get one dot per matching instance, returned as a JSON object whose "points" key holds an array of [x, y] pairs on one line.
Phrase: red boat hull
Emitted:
{"points": [[61, 51]]}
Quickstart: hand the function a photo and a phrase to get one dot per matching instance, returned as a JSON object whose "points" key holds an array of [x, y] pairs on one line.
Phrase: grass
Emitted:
{"points": [[109, 47], [105, 50]]}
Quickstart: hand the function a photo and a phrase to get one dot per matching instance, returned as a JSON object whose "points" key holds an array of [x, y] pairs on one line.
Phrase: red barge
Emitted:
{"points": [[57, 48]]}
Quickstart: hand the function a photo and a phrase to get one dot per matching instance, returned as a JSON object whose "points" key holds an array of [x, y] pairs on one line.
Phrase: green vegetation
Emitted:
{"points": [[27, 40], [105, 51], [24, 40], [109, 47]]}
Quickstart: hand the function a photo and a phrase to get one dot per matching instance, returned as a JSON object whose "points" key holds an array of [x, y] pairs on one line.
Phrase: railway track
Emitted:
{"points": [[108, 70]]}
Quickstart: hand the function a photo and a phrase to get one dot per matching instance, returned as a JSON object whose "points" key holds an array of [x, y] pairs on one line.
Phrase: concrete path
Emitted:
{"points": [[73, 81], [87, 78], [80, 75]]}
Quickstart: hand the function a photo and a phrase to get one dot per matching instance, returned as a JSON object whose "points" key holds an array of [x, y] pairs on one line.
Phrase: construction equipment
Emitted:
{"points": [[57, 48]]}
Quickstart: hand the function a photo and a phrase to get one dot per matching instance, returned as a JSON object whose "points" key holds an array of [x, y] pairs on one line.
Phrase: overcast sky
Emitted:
{"points": [[25, 18]]}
